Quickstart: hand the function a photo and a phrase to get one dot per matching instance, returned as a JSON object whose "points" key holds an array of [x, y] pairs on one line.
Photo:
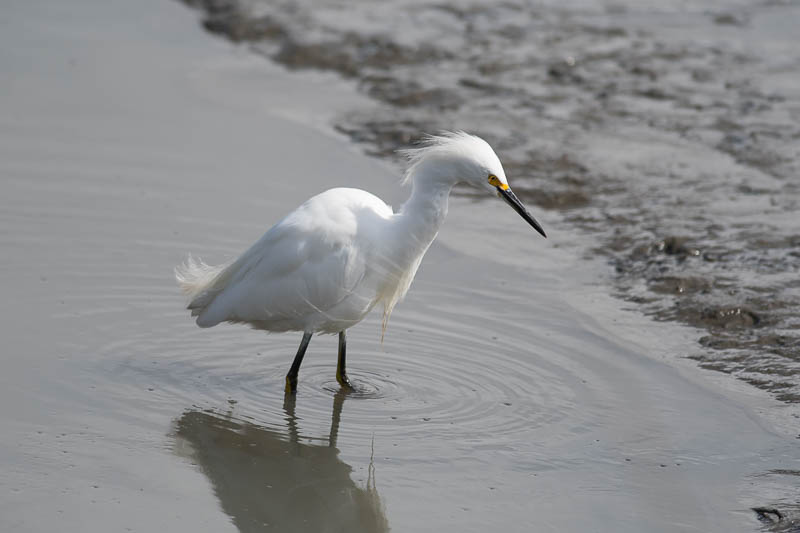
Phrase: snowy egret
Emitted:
{"points": [[327, 263]]}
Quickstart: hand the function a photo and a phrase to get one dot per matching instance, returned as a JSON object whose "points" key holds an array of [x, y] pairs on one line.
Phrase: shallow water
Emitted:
{"points": [[510, 391]]}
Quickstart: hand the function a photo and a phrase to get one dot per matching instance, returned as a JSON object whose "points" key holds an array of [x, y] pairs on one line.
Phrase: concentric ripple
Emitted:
{"points": [[441, 369]]}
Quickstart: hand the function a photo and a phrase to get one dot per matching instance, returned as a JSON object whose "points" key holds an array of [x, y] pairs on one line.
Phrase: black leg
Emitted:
{"points": [[291, 377], [341, 370]]}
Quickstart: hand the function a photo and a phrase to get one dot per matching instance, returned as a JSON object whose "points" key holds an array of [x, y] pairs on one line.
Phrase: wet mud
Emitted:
{"points": [[660, 139]]}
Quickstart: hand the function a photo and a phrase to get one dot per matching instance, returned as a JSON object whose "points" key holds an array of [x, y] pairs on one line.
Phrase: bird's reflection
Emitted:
{"points": [[267, 480]]}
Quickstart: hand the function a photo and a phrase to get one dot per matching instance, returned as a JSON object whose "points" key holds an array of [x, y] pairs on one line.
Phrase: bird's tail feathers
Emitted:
{"points": [[200, 282]]}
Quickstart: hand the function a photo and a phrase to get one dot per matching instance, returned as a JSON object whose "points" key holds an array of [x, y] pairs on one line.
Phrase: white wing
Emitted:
{"points": [[303, 266]]}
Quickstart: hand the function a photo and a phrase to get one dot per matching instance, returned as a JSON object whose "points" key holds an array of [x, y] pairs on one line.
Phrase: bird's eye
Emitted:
{"points": [[495, 181]]}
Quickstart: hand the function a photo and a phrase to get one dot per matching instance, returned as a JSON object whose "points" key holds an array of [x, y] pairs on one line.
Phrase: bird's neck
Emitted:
{"points": [[425, 210], [414, 227]]}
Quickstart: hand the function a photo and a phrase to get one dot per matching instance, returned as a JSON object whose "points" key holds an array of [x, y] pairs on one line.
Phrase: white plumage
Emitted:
{"points": [[330, 261], [315, 270]]}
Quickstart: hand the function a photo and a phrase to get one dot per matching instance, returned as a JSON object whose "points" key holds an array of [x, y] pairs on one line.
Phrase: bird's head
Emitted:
{"points": [[461, 157]]}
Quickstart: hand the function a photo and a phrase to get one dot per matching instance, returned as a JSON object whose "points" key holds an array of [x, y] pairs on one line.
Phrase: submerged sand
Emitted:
{"points": [[510, 392]]}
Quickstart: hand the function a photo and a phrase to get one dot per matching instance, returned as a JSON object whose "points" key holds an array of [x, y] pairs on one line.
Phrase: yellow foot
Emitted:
{"points": [[343, 380]]}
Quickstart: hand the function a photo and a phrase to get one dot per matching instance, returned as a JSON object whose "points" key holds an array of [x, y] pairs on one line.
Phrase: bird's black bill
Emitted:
{"points": [[512, 200]]}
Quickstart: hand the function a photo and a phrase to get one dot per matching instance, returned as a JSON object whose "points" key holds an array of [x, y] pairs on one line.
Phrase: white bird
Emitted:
{"points": [[330, 261]]}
